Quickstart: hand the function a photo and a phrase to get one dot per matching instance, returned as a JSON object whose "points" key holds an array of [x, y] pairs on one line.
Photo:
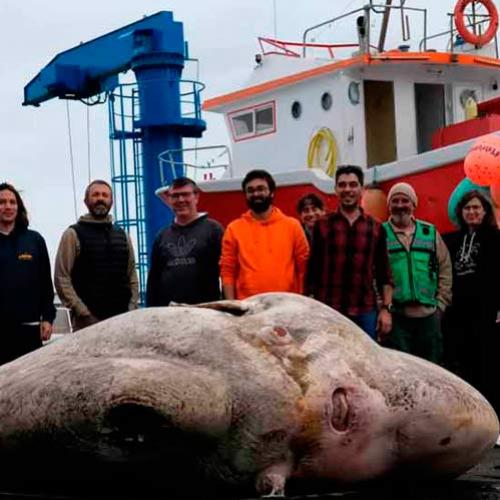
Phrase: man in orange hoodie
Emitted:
{"points": [[263, 250]]}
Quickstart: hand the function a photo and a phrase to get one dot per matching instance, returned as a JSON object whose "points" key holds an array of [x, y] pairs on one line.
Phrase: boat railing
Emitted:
{"points": [[283, 48], [207, 163], [454, 37], [364, 24]]}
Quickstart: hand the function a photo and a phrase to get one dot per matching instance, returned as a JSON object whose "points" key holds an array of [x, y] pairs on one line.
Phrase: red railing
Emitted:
{"points": [[282, 48]]}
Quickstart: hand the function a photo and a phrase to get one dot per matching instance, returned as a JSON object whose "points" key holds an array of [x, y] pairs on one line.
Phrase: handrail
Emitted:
{"points": [[281, 44], [324, 23], [371, 7], [167, 157], [188, 88], [452, 31]]}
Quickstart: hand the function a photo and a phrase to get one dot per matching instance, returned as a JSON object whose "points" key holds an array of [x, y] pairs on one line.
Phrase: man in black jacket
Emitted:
{"points": [[185, 255], [26, 292], [95, 273]]}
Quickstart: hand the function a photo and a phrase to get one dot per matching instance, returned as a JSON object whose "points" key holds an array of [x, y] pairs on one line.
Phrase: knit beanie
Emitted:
{"points": [[403, 188]]}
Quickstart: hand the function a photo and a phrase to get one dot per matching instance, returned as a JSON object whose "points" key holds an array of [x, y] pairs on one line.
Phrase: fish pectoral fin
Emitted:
{"points": [[271, 481], [234, 307], [172, 395]]}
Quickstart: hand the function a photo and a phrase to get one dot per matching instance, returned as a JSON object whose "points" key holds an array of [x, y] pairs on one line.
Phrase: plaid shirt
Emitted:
{"points": [[347, 261]]}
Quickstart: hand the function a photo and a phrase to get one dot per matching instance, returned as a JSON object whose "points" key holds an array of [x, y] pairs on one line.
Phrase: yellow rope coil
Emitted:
{"points": [[323, 140]]}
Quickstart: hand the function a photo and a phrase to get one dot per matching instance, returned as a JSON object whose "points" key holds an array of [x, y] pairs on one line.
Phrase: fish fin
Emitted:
{"points": [[187, 398], [234, 307]]}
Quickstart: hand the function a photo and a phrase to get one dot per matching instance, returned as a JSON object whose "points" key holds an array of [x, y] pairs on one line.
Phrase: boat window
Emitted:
{"points": [[253, 121], [264, 119], [243, 124], [296, 109], [326, 101]]}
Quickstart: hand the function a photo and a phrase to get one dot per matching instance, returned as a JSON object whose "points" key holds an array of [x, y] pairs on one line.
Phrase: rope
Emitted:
{"points": [[328, 163], [71, 159], [88, 145]]}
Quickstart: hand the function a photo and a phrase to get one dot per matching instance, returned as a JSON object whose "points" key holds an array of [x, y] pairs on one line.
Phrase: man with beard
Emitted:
{"points": [[263, 250], [95, 273], [349, 257], [26, 292], [422, 273], [185, 255]]}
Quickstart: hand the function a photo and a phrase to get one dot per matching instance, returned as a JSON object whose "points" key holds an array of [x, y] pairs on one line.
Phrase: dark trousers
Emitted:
{"points": [[17, 340], [367, 322], [472, 343], [418, 336]]}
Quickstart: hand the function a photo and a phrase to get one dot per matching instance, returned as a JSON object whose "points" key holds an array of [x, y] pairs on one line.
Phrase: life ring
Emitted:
{"points": [[323, 141], [468, 35]]}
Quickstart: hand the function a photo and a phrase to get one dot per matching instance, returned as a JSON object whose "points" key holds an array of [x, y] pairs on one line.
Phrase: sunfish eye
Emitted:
{"points": [[340, 410]]}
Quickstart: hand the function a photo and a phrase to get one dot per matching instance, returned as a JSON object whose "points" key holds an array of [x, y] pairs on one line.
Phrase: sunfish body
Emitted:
{"points": [[234, 394]]}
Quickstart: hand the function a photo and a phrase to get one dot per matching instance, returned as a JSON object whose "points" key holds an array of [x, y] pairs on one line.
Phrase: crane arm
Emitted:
{"points": [[93, 67]]}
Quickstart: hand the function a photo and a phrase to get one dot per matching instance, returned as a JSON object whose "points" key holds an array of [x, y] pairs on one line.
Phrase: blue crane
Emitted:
{"points": [[156, 120]]}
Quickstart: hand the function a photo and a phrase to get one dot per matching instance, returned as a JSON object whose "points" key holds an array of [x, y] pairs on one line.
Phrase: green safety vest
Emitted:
{"points": [[414, 272]]}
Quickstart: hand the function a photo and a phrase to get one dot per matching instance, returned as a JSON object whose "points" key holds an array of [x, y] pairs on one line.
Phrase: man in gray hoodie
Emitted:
{"points": [[185, 255], [95, 273]]}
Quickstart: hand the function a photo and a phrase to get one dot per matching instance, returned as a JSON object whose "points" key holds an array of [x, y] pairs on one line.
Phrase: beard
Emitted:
{"points": [[260, 205], [99, 210], [401, 217]]}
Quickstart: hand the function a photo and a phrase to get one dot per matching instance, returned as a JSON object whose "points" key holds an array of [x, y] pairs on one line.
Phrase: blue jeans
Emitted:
{"points": [[367, 322]]}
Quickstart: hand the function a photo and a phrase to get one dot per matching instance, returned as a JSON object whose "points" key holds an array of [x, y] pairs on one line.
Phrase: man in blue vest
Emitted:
{"points": [[422, 274], [95, 273]]}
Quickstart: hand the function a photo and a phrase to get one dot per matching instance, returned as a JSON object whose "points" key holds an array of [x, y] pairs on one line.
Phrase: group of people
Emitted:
{"points": [[400, 281], [95, 273]]}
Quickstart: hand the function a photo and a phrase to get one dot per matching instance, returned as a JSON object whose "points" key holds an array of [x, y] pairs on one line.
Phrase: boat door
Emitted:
{"points": [[430, 113], [380, 122]]}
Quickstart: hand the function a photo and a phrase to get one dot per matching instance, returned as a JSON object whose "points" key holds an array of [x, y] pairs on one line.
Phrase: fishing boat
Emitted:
{"points": [[406, 113]]}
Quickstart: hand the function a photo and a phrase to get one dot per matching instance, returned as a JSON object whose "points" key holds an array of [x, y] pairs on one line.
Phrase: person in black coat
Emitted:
{"points": [[26, 292], [470, 327]]}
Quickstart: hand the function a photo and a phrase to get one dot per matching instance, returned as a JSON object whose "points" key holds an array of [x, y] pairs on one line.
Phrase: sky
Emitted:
{"points": [[222, 34]]}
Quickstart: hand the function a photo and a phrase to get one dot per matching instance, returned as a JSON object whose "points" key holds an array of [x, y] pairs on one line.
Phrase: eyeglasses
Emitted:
{"points": [[178, 196]]}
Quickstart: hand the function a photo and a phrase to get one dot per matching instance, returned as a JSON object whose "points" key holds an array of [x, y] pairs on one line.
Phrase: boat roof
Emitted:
{"points": [[470, 63]]}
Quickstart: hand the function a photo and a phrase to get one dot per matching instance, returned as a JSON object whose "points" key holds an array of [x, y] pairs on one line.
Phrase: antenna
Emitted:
{"points": [[275, 19]]}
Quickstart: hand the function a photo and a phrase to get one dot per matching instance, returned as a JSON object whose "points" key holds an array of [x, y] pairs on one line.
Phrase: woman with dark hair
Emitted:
{"points": [[26, 294], [310, 208], [470, 321]]}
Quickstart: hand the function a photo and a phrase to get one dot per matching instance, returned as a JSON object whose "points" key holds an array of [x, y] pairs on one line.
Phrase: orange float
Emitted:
{"points": [[470, 36], [495, 194], [482, 163], [374, 203]]}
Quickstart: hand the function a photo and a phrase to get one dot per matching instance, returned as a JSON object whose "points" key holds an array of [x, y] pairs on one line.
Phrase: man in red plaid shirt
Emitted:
{"points": [[349, 257]]}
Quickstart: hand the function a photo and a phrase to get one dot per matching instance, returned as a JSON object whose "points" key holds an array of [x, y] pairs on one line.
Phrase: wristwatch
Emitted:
{"points": [[389, 307]]}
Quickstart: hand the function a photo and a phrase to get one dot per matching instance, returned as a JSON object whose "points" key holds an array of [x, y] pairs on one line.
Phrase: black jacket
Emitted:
{"points": [[26, 291], [479, 282]]}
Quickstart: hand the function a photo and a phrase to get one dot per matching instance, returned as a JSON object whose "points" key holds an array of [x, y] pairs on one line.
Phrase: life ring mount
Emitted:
{"points": [[468, 35]]}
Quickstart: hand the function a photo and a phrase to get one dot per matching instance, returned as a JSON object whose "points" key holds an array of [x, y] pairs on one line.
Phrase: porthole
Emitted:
{"points": [[296, 109], [353, 92], [326, 101]]}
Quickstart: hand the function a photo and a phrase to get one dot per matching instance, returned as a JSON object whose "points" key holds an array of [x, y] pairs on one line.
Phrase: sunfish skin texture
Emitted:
{"points": [[237, 394]]}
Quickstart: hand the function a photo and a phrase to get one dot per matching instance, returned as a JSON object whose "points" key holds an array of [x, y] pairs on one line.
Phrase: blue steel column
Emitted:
{"points": [[158, 77]]}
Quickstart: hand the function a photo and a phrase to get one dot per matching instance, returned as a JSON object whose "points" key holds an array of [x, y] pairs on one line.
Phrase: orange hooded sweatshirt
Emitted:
{"points": [[264, 255]]}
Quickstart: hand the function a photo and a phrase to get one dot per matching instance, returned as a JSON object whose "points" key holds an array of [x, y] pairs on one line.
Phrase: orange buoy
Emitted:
{"points": [[482, 162], [461, 21], [374, 203], [495, 194]]}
